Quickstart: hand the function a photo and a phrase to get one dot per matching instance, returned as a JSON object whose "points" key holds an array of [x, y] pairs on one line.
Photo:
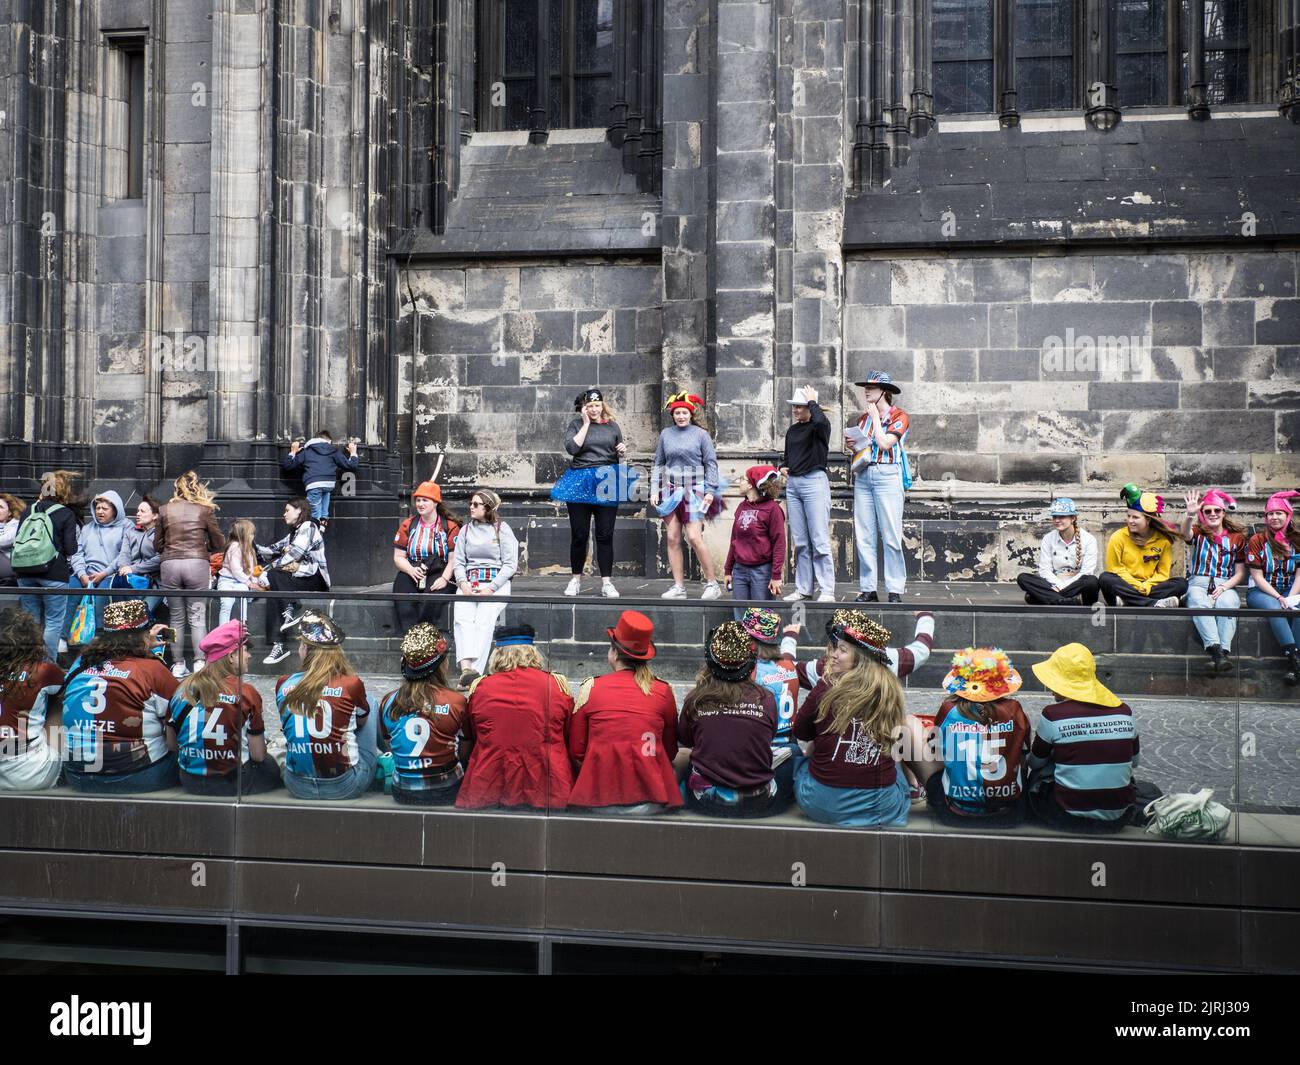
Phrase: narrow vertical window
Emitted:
{"points": [[135, 124], [1044, 55], [962, 56], [1141, 50]]}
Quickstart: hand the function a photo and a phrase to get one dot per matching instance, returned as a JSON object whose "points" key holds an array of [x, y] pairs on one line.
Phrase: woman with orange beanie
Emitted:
{"points": [[422, 556]]}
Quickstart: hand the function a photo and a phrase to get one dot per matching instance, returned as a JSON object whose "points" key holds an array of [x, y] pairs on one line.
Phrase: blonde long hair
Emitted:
{"points": [[641, 672], [322, 665], [868, 694], [189, 489], [515, 656], [243, 533], [202, 687]]}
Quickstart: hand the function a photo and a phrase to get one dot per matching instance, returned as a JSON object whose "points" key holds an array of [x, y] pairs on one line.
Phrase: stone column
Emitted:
{"points": [[747, 190]]}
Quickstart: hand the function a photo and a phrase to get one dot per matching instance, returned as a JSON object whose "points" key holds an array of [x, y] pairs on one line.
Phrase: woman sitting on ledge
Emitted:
{"points": [[1217, 566], [28, 682], [329, 730], [729, 723], [1140, 556], [1067, 562], [114, 706], [518, 719], [623, 735], [852, 727], [421, 723]]}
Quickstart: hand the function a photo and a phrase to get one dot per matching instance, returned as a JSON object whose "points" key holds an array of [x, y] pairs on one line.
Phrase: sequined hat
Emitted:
{"points": [[762, 625], [982, 675], [730, 652], [423, 650], [863, 632], [320, 630], [128, 616]]}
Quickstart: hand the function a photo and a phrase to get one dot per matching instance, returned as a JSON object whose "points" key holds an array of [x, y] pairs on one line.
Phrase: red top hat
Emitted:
{"points": [[632, 635]]}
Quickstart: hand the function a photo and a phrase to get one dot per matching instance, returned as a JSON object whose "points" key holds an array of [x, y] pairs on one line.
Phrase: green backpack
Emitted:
{"points": [[34, 548]]}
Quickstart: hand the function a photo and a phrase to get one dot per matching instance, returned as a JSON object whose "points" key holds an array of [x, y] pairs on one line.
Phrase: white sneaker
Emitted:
{"points": [[677, 591], [712, 590], [574, 586], [63, 647], [826, 597], [608, 590], [795, 597], [278, 654], [179, 671], [1169, 600]]}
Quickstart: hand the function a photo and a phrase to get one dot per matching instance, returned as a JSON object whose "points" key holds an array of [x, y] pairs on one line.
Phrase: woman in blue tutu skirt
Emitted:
{"points": [[592, 487]]}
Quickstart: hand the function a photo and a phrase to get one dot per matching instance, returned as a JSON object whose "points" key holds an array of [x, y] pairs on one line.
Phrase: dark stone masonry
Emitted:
{"points": [[226, 222]]}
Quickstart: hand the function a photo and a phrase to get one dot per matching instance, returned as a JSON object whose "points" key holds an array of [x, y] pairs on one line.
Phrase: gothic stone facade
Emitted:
{"points": [[313, 217]]}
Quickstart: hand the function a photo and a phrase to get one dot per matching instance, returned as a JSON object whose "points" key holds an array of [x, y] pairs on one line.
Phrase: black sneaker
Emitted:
{"points": [[291, 620], [278, 654], [1216, 657], [1225, 663], [867, 597], [1292, 675], [895, 597]]}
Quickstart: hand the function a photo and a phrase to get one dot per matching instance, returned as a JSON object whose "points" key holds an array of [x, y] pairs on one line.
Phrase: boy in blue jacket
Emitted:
{"points": [[319, 461]]}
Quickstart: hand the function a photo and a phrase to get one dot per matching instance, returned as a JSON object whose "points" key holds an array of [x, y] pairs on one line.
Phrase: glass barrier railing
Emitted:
{"points": [[1084, 719]]}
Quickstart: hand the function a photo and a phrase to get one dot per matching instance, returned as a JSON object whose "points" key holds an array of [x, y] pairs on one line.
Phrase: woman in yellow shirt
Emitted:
{"points": [[1140, 556]]}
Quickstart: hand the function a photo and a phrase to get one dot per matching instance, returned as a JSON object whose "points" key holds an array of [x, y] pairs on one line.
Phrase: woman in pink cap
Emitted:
{"points": [[756, 557], [214, 722], [1216, 566], [1271, 558]]}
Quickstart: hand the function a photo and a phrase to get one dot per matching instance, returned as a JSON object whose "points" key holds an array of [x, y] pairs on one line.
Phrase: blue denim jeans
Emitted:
{"points": [[808, 498], [352, 784], [1287, 630], [878, 514], [749, 582], [164, 773], [319, 498], [1209, 628], [53, 608]]}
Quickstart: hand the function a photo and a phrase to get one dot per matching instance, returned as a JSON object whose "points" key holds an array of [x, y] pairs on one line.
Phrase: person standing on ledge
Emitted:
{"points": [[880, 476], [686, 491], [808, 497], [590, 488]]}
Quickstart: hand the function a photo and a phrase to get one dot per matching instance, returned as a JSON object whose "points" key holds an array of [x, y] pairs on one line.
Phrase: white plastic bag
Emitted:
{"points": [[1187, 816]]}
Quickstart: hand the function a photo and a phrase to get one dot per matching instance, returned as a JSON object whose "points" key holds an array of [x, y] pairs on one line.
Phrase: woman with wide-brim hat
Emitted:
{"points": [[983, 736], [1081, 761], [623, 734], [686, 490], [592, 487], [877, 466]]}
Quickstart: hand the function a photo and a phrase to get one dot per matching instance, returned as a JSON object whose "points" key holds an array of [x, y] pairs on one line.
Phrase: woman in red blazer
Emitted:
{"points": [[517, 721], [623, 736]]}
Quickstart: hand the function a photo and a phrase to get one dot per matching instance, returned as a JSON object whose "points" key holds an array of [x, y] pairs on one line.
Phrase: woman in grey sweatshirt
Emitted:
{"points": [[485, 559], [686, 469]]}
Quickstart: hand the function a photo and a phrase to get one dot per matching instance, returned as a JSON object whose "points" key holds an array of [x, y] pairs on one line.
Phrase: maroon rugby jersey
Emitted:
{"points": [[322, 744]]}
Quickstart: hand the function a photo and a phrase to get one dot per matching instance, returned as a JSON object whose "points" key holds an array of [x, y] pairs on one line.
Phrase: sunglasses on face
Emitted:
{"points": [[1211, 510]]}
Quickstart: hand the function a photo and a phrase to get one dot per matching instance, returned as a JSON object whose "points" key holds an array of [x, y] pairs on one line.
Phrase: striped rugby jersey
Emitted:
{"points": [[1264, 553], [22, 711], [897, 423], [1091, 751], [1218, 561]]}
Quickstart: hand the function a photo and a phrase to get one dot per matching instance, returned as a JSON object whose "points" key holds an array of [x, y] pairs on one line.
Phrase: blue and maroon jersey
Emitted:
{"points": [[23, 706], [425, 744], [1091, 752], [781, 678], [322, 743], [895, 424], [982, 762], [1217, 560], [114, 715], [213, 741], [1277, 562]]}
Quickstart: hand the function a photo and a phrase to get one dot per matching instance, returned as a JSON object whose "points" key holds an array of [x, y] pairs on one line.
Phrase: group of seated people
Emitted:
{"points": [[741, 744]]}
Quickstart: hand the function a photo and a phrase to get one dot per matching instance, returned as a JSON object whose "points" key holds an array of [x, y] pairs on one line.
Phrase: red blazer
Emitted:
{"points": [[517, 722], [623, 743]]}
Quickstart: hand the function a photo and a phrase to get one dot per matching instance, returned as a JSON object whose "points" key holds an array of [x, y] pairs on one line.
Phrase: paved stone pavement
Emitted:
{"points": [[1187, 744]]}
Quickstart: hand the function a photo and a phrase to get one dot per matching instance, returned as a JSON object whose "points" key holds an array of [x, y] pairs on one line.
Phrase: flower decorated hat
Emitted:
{"points": [[982, 675]]}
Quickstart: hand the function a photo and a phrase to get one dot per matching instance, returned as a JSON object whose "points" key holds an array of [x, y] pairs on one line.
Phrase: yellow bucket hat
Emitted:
{"points": [[1072, 672]]}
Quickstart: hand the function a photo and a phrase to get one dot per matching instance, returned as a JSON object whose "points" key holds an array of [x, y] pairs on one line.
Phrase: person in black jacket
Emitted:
{"points": [[57, 501], [808, 497], [319, 461]]}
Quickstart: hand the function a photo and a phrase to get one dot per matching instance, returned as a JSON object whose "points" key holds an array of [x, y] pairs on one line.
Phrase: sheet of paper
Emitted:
{"points": [[856, 437]]}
